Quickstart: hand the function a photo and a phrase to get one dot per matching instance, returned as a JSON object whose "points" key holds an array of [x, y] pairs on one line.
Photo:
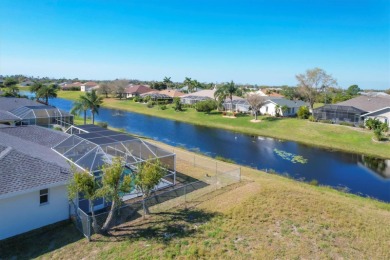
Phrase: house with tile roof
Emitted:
{"points": [[136, 90], [33, 180]]}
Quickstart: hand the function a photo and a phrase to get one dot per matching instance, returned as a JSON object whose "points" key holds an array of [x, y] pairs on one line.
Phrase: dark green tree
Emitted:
{"points": [[148, 176], [353, 90]]}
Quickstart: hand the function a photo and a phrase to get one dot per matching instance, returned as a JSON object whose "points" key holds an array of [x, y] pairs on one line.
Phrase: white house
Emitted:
{"points": [[382, 115], [33, 180], [89, 86], [270, 106]]}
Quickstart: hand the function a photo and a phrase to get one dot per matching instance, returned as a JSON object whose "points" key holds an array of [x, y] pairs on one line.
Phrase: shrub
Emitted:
{"points": [[102, 124], [147, 99], [163, 107], [177, 104], [378, 134], [57, 128], [313, 182], [312, 119], [150, 104], [206, 106], [326, 121], [303, 112]]}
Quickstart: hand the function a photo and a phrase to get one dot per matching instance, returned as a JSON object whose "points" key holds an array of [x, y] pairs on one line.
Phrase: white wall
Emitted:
{"points": [[268, 108], [23, 213], [271, 110]]}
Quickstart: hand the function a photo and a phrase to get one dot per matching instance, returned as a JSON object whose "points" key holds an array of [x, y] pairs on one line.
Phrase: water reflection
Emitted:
{"points": [[380, 167]]}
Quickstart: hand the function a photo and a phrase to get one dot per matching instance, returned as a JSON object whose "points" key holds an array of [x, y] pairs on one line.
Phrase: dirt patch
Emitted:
{"points": [[255, 121]]}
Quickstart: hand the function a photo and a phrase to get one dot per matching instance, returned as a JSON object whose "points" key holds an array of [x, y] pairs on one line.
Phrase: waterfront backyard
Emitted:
{"points": [[264, 216]]}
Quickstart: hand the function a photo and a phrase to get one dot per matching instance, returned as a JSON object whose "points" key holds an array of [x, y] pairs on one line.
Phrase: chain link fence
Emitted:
{"points": [[197, 176]]}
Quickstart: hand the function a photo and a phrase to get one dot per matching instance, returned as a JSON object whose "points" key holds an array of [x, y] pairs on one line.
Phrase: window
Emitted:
{"points": [[43, 196]]}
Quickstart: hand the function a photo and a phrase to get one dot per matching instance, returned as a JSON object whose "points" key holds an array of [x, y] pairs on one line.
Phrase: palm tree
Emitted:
{"points": [[78, 107], [93, 101], [226, 90], [47, 92], [188, 82], [168, 82]]}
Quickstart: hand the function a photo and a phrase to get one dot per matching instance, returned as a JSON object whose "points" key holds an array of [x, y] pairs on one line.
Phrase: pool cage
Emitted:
{"points": [[238, 105], [157, 97], [42, 115], [89, 147], [190, 100], [337, 114]]}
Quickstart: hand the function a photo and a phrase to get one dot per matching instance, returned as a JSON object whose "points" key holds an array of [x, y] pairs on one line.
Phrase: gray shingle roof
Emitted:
{"points": [[27, 161], [36, 134], [367, 103], [9, 103], [287, 102], [19, 172]]}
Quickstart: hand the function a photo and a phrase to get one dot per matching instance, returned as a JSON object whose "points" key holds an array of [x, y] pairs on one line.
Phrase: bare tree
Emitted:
{"points": [[313, 82], [119, 86], [256, 101], [104, 89]]}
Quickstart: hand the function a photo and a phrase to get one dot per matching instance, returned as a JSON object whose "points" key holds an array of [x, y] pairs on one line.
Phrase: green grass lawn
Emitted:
{"points": [[324, 135]]}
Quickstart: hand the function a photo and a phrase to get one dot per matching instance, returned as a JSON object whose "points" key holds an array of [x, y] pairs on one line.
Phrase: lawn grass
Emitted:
{"points": [[318, 134], [264, 217]]}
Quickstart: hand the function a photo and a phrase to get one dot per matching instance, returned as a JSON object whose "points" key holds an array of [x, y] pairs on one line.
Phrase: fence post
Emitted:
{"points": [[89, 227], [185, 196], [216, 181]]}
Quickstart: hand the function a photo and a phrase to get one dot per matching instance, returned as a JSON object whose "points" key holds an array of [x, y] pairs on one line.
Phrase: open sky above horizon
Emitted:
{"points": [[257, 42]]}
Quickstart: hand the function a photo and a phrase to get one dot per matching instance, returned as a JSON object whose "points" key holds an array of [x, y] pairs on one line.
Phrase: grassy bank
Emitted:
{"points": [[264, 217], [323, 135]]}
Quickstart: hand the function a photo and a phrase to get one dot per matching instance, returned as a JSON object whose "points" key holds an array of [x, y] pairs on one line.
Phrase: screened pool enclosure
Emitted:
{"points": [[337, 114], [42, 115], [89, 147]]}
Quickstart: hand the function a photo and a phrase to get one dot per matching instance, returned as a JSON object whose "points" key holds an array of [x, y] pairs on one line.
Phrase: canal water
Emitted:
{"points": [[358, 174]]}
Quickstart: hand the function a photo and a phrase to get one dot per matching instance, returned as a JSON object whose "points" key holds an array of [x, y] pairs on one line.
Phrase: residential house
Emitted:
{"points": [[33, 180], [356, 110], [274, 106], [198, 96], [171, 92], [35, 171], [89, 86], [23, 111], [136, 90]]}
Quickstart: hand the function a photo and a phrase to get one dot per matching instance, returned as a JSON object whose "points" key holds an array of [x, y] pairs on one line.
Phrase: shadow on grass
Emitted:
{"points": [[39, 242], [163, 226], [272, 118]]}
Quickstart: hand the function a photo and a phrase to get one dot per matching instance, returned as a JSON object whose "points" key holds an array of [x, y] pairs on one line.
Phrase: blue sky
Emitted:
{"points": [[258, 42]]}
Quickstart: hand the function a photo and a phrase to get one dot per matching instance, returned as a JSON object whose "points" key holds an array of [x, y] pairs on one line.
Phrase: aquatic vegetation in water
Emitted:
{"points": [[291, 157]]}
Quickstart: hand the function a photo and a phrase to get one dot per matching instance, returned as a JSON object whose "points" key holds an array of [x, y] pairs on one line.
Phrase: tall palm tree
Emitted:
{"points": [[168, 82], [188, 82], [80, 106], [93, 102], [226, 90]]}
